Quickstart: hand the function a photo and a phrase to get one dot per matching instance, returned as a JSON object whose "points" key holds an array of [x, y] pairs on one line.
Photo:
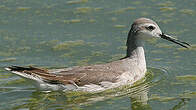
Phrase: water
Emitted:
{"points": [[54, 34]]}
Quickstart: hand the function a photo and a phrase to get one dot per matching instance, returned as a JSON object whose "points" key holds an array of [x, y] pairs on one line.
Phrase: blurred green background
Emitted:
{"points": [[64, 33]]}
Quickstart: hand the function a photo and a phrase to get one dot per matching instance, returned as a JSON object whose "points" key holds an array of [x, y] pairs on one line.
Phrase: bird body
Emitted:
{"points": [[85, 78], [100, 77]]}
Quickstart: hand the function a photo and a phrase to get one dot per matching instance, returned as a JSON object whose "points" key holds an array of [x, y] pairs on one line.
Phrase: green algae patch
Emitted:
{"points": [[179, 32], [97, 53], [189, 95], [157, 51], [124, 32], [75, 20], [167, 9], [161, 98], [136, 2], [23, 49], [3, 7], [80, 97], [157, 59], [163, 45], [122, 10], [117, 57], [177, 57], [48, 43], [193, 47], [98, 9], [182, 49], [6, 54], [122, 48], [114, 19], [144, 13], [105, 44], [166, 21], [4, 76], [72, 21], [186, 77], [83, 10], [7, 59], [68, 45], [18, 81], [187, 11], [23, 8], [166, 4], [168, 15], [77, 1], [70, 54], [120, 26], [83, 62], [92, 20]]}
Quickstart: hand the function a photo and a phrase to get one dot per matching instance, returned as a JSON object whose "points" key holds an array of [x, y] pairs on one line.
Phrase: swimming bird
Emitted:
{"points": [[100, 77]]}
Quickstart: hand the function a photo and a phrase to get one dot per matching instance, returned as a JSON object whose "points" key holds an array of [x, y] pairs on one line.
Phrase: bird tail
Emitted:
{"points": [[30, 72], [42, 78]]}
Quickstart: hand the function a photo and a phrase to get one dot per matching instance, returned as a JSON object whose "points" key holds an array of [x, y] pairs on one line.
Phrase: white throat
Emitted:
{"points": [[139, 54], [135, 51]]}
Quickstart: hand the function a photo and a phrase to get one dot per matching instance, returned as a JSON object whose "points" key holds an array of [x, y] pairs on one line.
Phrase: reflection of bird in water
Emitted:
{"points": [[139, 99], [104, 76], [140, 103]]}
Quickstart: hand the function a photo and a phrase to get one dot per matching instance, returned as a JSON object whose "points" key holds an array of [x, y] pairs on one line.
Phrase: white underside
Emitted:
{"points": [[40, 84]]}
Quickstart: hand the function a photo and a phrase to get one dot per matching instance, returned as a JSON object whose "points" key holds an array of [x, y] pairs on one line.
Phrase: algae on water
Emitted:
{"points": [[68, 45], [186, 77]]}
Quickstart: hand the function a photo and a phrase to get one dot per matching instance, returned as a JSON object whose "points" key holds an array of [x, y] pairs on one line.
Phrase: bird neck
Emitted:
{"points": [[135, 51]]}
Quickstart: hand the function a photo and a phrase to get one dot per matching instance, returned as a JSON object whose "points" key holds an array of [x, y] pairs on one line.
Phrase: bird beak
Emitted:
{"points": [[169, 38]]}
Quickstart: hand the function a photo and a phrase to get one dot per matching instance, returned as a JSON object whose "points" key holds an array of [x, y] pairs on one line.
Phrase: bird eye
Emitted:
{"points": [[150, 28]]}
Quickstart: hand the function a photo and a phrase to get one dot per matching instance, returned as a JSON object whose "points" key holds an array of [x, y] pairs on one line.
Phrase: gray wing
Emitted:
{"points": [[89, 74]]}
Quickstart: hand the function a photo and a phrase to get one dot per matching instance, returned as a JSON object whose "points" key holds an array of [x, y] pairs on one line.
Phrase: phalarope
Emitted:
{"points": [[100, 77]]}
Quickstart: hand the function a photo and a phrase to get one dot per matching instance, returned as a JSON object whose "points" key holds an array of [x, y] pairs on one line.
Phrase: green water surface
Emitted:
{"points": [[64, 33]]}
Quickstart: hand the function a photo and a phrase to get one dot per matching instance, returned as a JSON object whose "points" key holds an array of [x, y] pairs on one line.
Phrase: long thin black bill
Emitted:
{"points": [[169, 38]]}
